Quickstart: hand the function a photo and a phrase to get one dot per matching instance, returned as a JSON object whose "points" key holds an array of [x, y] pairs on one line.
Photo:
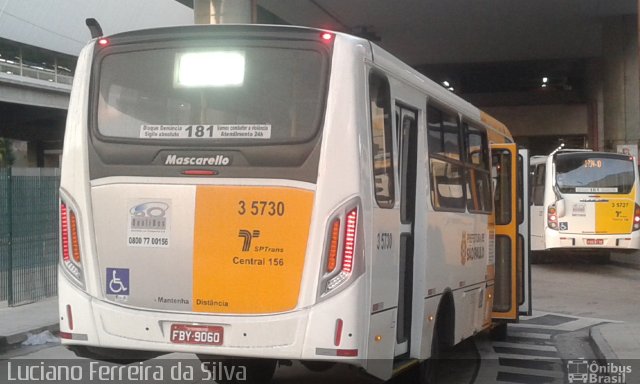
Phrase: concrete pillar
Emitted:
{"points": [[224, 11], [621, 84], [621, 94], [595, 103]]}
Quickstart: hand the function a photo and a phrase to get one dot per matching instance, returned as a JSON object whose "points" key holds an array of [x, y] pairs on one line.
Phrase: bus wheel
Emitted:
{"points": [[228, 370], [428, 370]]}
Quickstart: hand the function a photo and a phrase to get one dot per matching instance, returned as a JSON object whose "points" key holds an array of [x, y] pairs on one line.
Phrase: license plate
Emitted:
{"points": [[196, 334], [595, 241]]}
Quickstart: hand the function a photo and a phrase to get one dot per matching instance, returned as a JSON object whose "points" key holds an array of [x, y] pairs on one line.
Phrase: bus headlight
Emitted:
{"points": [[636, 218]]}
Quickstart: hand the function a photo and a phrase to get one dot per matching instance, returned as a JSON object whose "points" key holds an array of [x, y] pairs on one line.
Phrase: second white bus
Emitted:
{"points": [[581, 199]]}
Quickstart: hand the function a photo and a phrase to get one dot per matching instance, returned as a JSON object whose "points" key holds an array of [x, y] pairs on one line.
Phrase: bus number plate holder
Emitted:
{"points": [[595, 241], [196, 334]]}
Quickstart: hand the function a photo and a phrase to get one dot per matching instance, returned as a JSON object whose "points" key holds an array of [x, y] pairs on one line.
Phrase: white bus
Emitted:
{"points": [[281, 193], [581, 199]]}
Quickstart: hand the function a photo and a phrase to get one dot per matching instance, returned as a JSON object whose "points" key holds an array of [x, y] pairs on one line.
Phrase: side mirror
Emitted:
{"points": [[561, 208]]}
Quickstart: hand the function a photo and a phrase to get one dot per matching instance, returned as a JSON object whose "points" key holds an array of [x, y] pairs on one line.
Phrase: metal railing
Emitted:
{"points": [[28, 234], [50, 75]]}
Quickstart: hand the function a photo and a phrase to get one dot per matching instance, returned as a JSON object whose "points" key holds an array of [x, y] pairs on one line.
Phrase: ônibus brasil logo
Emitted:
{"points": [[591, 372]]}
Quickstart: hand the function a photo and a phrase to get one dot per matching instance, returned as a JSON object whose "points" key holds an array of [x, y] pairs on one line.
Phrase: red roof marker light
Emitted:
{"points": [[326, 36]]}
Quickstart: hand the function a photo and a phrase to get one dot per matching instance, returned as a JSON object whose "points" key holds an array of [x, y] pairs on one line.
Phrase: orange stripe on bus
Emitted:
{"points": [[249, 248]]}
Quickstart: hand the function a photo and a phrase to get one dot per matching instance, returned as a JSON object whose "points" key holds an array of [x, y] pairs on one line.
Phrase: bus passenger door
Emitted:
{"points": [[407, 131], [504, 173], [383, 270], [524, 247], [537, 214]]}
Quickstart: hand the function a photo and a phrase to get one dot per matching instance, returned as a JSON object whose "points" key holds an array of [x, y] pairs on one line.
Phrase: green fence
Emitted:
{"points": [[28, 234]]}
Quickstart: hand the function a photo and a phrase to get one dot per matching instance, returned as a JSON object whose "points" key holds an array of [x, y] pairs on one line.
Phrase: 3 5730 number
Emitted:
{"points": [[261, 208]]}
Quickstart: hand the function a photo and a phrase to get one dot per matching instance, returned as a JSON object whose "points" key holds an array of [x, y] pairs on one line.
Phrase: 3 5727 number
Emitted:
{"points": [[261, 208]]}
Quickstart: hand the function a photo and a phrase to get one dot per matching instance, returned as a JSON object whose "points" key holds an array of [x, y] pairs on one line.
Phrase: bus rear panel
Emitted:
{"points": [[591, 201], [191, 216]]}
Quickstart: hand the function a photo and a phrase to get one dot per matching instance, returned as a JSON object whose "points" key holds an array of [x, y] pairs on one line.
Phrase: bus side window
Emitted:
{"points": [[381, 137], [502, 192], [478, 173], [537, 197], [446, 168]]}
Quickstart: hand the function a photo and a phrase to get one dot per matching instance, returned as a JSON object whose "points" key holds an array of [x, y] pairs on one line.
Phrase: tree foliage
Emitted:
{"points": [[7, 156]]}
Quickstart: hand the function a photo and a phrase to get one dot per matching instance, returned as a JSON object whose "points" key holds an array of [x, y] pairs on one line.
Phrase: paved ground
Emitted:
{"points": [[579, 306], [590, 290], [536, 350], [17, 322]]}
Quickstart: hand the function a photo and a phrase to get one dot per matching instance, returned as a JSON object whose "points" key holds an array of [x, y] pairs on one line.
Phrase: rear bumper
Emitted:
{"points": [[297, 335], [557, 239]]}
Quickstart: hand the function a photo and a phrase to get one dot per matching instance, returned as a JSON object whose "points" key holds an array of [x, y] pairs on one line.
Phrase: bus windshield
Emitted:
{"points": [[231, 95], [594, 173]]}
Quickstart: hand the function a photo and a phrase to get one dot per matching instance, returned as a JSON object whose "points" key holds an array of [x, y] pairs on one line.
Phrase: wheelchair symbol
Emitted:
{"points": [[118, 281]]}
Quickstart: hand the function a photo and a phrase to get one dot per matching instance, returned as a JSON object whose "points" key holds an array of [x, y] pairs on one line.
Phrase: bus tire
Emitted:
{"points": [[428, 370], [246, 370]]}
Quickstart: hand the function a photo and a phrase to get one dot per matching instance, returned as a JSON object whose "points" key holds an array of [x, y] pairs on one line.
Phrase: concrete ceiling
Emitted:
{"points": [[423, 32]]}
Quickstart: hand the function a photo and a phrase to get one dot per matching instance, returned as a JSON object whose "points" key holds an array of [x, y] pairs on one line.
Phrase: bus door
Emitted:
{"points": [[537, 213], [408, 150], [393, 242], [524, 227], [511, 255], [385, 237]]}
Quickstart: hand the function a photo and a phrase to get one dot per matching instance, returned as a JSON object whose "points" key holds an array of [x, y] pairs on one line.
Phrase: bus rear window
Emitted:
{"points": [[221, 96], [586, 173]]}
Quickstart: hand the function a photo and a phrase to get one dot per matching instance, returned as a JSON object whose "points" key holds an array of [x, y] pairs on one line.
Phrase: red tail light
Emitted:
{"points": [[69, 317], [342, 253], [552, 217], [636, 218], [70, 243], [337, 337], [349, 241]]}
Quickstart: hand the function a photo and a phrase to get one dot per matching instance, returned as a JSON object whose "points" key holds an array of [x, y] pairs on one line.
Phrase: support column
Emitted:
{"points": [[224, 11], [621, 85], [621, 93]]}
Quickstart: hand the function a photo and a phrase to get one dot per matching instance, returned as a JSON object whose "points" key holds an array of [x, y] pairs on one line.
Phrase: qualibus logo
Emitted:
{"points": [[149, 216], [590, 372]]}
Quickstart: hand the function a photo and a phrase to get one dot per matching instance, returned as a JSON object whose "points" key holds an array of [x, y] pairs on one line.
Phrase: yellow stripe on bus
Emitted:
{"points": [[249, 248], [614, 214]]}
